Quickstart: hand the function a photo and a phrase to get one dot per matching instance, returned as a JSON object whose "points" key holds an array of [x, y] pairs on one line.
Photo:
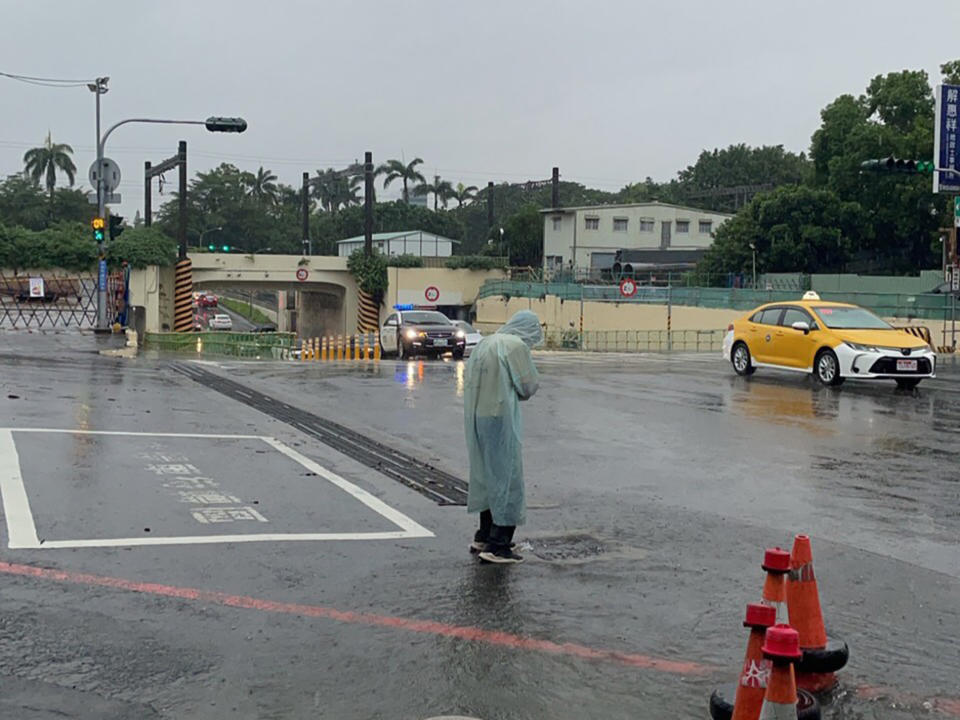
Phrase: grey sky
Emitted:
{"points": [[496, 90]]}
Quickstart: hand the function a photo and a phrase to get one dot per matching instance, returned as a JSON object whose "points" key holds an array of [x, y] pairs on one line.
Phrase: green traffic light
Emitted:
{"points": [[211, 247], [226, 248], [98, 235]]}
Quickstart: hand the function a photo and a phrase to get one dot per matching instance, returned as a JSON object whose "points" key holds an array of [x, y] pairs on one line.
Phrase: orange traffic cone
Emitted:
{"points": [[782, 647], [821, 656], [776, 563], [752, 685]]}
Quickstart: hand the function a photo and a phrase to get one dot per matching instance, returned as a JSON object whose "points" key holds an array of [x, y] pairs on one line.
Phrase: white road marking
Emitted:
{"points": [[21, 530], [22, 533]]}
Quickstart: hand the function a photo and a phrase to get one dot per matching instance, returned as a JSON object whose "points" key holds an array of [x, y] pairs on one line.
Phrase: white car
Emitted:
{"points": [[473, 336], [220, 321]]}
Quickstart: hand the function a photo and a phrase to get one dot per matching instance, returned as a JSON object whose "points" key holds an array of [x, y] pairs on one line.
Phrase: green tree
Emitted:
{"points": [[951, 72], [263, 185], [142, 246], [464, 193], [793, 228], [523, 235], [893, 117], [407, 173], [46, 160], [441, 190]]}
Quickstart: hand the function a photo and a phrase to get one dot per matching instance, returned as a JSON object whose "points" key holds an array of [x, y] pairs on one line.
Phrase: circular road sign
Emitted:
{"points": [[302, 274], [628, 287], [111, 175], [432, 293]]}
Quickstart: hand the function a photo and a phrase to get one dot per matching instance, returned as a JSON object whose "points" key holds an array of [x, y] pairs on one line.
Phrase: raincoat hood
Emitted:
{"points": [[526, 326]]}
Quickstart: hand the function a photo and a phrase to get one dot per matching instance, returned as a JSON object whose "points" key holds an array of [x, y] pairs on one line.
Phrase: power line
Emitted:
{"points": [[46, 82]]}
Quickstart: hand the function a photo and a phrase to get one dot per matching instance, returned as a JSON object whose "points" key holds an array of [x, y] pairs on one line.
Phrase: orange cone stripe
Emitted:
{"points": [[803, 597]]}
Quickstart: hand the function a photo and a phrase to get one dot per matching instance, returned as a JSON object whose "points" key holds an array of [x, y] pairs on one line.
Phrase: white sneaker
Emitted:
{"points": [[507, 558]]}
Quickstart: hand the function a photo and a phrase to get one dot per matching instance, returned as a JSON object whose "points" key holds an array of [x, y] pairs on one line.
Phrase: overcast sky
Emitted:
{"points": [[611, 92]]}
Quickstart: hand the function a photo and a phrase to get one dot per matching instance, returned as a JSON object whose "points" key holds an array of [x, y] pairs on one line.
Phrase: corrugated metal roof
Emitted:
{"points": [[654, 204], [409, 234]]}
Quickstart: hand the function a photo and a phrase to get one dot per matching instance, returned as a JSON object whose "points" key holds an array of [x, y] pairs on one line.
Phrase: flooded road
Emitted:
{"points": [[654, 484]]}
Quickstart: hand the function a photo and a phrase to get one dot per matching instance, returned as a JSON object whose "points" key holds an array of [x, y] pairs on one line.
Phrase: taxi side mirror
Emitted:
{"points": [[802, 326]]}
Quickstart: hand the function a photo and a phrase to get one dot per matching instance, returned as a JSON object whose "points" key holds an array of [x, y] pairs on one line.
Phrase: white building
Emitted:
{"points": [[413, 242], [591, 236]]}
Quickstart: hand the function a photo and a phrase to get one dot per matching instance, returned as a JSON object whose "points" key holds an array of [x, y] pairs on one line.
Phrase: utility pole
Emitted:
{"points": [[99, 87], [368, 203], [147, 194], [305, 214], [182, 228], [489, 205], [555, 189]]}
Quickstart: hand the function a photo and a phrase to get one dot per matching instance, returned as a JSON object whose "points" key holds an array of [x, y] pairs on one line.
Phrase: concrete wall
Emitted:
{"points": [[321, 313], [910, 285], [492, 312], [152, 289], [457, 287]]}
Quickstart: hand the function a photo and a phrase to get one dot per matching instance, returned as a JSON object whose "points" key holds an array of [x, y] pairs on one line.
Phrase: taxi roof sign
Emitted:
{"points": [[811, 295]]}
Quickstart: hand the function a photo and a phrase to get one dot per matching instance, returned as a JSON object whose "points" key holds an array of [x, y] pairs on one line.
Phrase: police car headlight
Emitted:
{"points": [[461, 334], [411, 334]]}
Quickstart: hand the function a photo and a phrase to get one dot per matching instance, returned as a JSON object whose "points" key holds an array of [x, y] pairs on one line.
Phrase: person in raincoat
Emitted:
{"points": [[499, 375]]}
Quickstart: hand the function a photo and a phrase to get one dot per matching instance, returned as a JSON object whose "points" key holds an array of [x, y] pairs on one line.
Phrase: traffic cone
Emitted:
{"points": [[821, 656], [752, 684], [781, 647], [776, 563]]}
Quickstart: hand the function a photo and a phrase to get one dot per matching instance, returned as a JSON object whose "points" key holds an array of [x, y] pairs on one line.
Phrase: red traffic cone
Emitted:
{"points": [[753, 678], [776, 563], [821, 656], [782, 648]]}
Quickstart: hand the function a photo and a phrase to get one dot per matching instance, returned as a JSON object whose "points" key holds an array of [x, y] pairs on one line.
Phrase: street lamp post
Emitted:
{"points": [[501, 243], [213, 124], [754, 249], [200, 240]]}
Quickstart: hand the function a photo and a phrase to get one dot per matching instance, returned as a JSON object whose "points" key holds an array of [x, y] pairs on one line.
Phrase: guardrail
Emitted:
{"points": [[636, 340], [276, 346], [900, 305]]}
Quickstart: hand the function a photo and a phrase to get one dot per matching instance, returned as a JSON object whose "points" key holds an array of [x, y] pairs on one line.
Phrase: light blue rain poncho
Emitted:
{"points": [[499, 375]]}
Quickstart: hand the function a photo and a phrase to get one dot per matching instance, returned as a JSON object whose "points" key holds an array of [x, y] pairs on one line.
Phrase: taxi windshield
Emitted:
{"points": [[850, 318]]}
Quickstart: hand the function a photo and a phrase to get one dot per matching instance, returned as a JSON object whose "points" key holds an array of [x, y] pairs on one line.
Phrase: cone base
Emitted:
{"points": [[721, 704], [826, 660]]}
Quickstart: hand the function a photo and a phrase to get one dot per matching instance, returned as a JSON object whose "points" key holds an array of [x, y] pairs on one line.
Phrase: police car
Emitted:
{"points": [[411, 330]]}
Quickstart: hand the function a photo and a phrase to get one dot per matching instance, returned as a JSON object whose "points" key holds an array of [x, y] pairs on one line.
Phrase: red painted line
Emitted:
{"points": [[474, 634]]}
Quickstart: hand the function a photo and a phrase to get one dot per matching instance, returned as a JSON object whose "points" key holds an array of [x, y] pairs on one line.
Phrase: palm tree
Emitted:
{"points": [[463, 193], [337, 188], [442, 190], [263, 185], [46, 160], [396, 170]]}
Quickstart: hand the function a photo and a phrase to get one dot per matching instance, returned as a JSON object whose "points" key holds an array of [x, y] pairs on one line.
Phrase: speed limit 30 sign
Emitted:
{"points": [[628, 287], [432, 293]]}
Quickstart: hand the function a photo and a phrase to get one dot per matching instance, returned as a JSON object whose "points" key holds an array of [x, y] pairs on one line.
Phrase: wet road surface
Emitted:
{"points": [[654, 484]]}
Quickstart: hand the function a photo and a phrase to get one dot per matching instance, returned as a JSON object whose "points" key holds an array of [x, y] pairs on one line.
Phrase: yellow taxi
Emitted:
{"points": [[830, 340]]}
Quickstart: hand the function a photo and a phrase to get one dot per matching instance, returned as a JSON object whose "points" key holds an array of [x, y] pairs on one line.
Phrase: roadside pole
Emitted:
{"points": [[581, 318], [669, 318]]}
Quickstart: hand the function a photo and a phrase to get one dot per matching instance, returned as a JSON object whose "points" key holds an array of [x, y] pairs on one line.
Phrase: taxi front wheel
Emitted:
{"points": [[741, 360], [826, 368]]}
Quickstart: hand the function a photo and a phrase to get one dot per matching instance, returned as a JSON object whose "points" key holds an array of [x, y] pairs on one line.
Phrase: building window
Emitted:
{"points": [[619, 224], [557, 224], [646, 225], [706, 227], [683, 226], [592, 223]]}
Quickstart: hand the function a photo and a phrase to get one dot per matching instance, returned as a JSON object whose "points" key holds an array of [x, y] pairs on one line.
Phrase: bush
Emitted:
{"points": [[370, 272], [142, 246], [405, 261], [473, 262]]}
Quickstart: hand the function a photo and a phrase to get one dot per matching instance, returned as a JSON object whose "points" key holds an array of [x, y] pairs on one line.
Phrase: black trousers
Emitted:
{"points": [[496, 535]]}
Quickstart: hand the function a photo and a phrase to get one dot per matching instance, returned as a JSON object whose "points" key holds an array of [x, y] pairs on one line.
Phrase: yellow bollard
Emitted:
{"points": [[366, 346], [303, 350], [339, 347], [316, 349], [376, 347], [357, 347], [323, 349]]}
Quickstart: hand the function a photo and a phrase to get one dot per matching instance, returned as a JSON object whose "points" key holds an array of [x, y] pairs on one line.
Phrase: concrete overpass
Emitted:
{"points": [[318, 287]]}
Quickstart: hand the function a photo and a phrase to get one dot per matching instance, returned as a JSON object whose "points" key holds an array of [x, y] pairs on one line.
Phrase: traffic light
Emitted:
{"points": [[225, 248], [211, 247], [97, 223], [226, 124], [116, 226], [899, 165]]}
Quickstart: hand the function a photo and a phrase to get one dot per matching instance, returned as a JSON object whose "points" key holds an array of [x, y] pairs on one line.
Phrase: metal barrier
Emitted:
{"points": [[276, 346], [900, 305], [636, 340]]}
